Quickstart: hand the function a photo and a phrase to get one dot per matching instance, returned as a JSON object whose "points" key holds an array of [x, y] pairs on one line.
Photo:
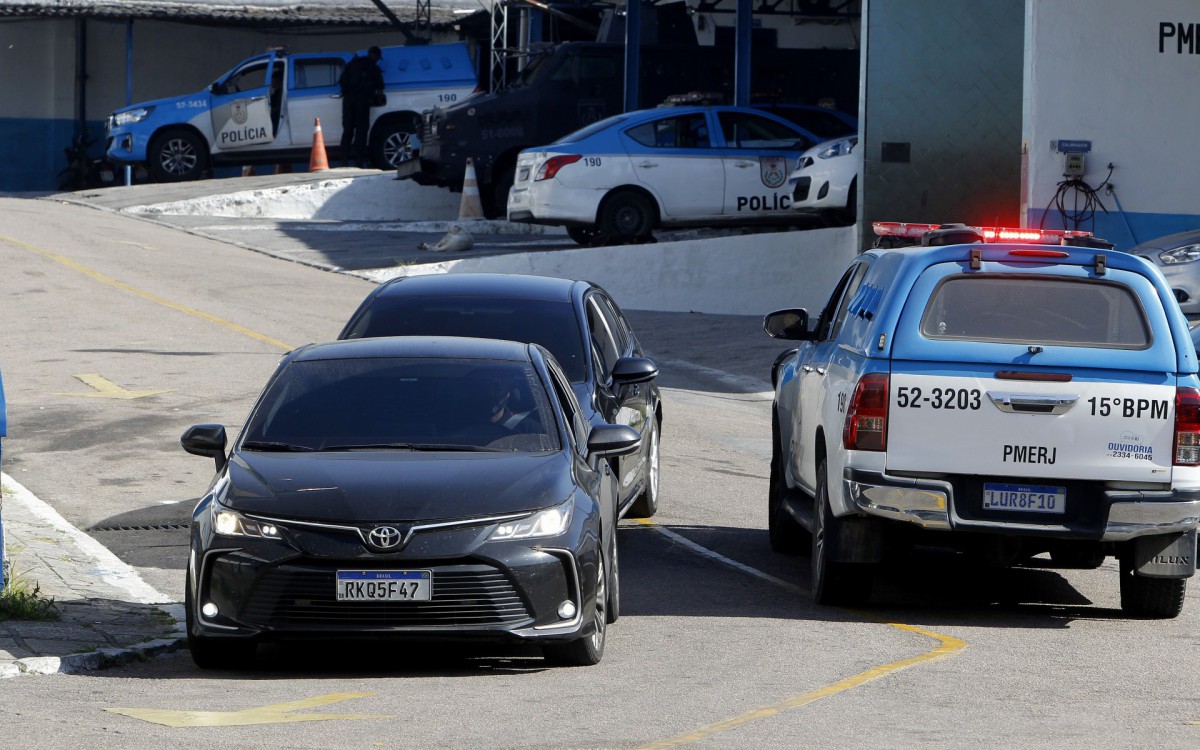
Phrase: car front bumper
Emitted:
{"points": [[1112, 515]]}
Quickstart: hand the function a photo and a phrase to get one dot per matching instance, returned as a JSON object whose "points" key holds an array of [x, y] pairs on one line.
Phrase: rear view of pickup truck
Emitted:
{"points": [[1001, 399]]}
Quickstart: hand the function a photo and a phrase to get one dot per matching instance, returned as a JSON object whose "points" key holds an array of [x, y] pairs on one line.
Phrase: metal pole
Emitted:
{"points": [[128, 85], [633, 41], [741, 61]]}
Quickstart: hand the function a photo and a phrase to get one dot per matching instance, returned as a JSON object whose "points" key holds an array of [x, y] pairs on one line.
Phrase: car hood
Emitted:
{"points": [[1168, 242], [395, 486]]}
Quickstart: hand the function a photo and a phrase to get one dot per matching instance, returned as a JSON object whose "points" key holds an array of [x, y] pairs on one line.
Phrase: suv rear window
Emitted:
{"points": [[1036, 310]]}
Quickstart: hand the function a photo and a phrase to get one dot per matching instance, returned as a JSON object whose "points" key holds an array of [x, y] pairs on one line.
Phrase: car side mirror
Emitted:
{"points": [[612, 440], [631, 370], [218, 88], [206, 440], [788, 324]]}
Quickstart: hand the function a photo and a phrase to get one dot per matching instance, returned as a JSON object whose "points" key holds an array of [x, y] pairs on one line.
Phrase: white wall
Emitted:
{"points": [[1093, 71], [745, 275]]}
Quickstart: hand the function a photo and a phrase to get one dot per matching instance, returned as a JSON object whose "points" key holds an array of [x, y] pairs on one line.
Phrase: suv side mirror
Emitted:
{"points": [[631, 370], [218, 88], [788, 324], [612, 440], [206, 440]]}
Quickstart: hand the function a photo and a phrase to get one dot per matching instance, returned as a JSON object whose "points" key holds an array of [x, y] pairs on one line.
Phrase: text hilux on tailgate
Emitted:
{"points": [[997, 393]]}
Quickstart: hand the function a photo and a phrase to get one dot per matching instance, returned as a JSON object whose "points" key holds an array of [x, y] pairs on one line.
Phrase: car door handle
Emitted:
{"points": [[257, 98], [648, 164], [1031, 403], [744, 164]]}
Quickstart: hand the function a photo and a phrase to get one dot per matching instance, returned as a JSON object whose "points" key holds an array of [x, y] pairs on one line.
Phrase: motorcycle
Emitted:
{"points": [[83, 171]]}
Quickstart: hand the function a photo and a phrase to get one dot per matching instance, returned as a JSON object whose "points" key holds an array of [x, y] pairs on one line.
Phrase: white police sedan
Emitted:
{"points": [[825, 180], [619, 179]]}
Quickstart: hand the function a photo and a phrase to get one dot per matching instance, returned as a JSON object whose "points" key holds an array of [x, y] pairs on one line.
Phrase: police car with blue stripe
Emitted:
{"points": [[623, 177], [1002, 392], [246, 117]]}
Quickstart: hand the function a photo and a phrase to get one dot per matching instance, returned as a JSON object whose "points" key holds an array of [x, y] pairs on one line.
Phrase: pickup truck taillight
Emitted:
{"points": [[1187, 427], [551, 166], [866, 417]]}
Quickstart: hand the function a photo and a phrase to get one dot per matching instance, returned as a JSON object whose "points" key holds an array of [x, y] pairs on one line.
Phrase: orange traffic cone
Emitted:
{"points": [[471, 206], [318, 161]]}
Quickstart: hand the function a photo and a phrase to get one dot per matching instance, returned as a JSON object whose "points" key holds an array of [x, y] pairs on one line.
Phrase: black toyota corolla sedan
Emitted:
{"points": [[577, 321], [437, 488]]}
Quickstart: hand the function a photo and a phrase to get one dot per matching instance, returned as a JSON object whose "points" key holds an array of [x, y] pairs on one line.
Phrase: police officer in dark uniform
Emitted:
{"points": [[361, 81]]}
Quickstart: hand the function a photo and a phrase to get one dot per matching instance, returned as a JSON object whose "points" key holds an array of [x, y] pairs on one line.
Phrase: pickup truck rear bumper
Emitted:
{"points": [[931, 505]]}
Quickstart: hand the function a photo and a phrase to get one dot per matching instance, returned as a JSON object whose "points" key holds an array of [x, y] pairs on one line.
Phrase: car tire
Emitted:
{"points": [[1151, 598], [214, 653], [176, 156], [646, 504], [833, 583], [627, 216], [395, 140], [589, 649], [614, 583], [787, 537], [587, 236]]}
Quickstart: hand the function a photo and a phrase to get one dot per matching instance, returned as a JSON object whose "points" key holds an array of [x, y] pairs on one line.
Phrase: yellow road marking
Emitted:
{"points": [[278, 713], [146, 295], [105, 388], [947, 646]]}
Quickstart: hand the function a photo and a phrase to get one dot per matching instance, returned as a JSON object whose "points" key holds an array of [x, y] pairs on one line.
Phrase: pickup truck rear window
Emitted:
{"points": [[1036, 310]]}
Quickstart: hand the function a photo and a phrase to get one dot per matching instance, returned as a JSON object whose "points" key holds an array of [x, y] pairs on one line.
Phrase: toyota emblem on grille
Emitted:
{"points": [[385, 537]]}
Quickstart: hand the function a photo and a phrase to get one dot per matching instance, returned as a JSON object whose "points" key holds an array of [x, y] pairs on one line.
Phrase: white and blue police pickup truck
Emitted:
{"points": [[242, 119], [1004, 397]]}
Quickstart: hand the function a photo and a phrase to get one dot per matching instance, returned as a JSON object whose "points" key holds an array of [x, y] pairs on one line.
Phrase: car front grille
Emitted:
{"points": [[299, 597]]}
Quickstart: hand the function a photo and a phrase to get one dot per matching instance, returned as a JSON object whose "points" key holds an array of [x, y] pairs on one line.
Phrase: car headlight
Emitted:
{"points": [[131, 116], [1185, 254], [838, 148], [549, 522], [231, 523]]}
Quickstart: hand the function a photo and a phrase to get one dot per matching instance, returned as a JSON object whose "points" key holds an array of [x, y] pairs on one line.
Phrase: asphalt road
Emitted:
{"points": [[718, 645]]}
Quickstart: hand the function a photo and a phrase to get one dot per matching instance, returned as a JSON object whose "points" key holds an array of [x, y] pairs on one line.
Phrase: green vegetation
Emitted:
{"points": [[19, 600]]}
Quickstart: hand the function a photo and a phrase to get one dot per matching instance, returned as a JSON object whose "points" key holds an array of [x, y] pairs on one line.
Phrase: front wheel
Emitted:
{"points": [[786, 536], [397, 140], [627, 215], [177, 156], [646, 504], [588, 650]]}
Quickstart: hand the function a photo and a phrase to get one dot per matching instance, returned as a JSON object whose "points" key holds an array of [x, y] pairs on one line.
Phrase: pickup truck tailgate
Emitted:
{"points": [[979, 424]]}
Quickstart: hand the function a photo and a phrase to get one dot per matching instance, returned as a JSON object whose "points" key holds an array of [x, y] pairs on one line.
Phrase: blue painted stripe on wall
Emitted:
{"points": [[32, 151], [1123, 229]]}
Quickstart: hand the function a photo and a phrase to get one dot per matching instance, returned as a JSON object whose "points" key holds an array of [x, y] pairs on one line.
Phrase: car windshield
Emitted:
{"points": [[531, 321], [408, 404], [1028, 310]]}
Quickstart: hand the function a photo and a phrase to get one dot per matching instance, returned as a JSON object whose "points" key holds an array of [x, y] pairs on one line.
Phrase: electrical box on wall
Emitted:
{"points": [[1073, 165]]}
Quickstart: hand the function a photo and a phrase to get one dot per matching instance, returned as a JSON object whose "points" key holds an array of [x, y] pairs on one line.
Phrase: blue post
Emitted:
{"points": [[633, 43], [3, 432], [741, 62], [128, 84]]}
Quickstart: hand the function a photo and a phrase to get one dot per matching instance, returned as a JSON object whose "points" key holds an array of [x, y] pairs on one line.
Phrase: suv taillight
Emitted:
{"points": [[551, 166], [1187, 427], [866, 418]]}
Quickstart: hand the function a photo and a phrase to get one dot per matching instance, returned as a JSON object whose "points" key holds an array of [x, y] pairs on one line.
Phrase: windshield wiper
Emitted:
{"points": [[413, 447], [267, 445]]}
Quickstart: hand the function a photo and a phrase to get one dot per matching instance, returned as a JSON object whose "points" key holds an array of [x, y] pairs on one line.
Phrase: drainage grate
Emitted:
{"points": [[149, 527]]}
